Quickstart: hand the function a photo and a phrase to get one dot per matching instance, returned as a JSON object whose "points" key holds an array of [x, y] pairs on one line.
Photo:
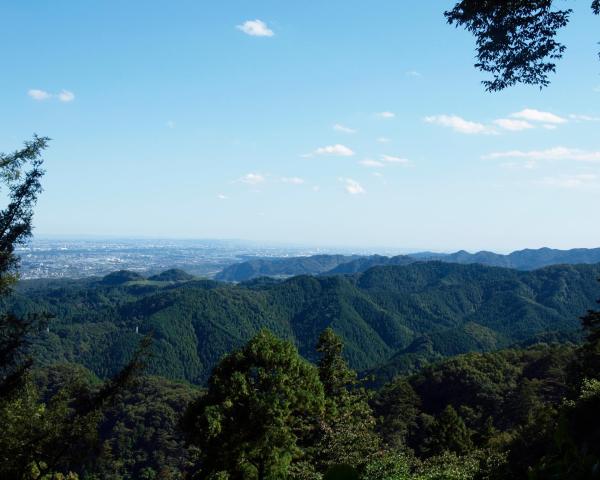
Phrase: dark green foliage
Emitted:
{"points": [[516, 39], [20, 175], [139, 435], [396, 407], [346, 431], [121, 277], [334, 372], [341, 472], [399, 316], [173, 275], [262, 402], [448, 433]]}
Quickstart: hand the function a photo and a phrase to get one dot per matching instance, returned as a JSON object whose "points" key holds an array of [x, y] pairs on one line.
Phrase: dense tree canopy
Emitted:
{"points": [[261, 403]]}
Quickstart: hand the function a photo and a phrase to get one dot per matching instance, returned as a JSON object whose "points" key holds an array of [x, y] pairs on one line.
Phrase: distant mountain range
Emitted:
{"points": [[391, 318], [339, 264]]}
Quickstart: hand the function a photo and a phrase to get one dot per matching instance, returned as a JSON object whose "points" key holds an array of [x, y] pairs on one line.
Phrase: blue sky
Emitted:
{"points": [[327, 123]]}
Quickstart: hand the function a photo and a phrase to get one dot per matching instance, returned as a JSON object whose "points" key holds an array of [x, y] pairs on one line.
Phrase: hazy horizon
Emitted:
{"points": [[328, 248]]}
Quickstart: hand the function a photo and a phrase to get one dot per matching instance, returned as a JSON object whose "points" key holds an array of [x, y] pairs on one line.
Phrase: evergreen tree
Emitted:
{"points": [[589, 356], [20, 175], [262, 402], [347, 430], [334, 372], [396, 406], [449, 434]]}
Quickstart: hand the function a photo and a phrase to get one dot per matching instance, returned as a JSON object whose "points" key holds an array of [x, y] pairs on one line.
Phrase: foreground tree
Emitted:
{"points": [[262, 403], [516, 39], [346, 433], [20, 175]]}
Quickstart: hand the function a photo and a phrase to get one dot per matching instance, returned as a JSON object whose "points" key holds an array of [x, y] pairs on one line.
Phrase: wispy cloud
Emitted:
{"points": [[386, 115], [513, 125], [582, 180], [255, 28], [342, 128], [533, 115], [459, 124], [66, 96], [221, 196], [335, 150], [293, 180], [394, 159], [352, 186], [384, 140], [170, 124], [39, 94], [252, 179], [584, 118], [413, 73], [556, 153], [383, 161], [368, 162]]}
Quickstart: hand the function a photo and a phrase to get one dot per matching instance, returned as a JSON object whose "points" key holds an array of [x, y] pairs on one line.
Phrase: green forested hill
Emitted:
{"points": [[397, 316], [282, 267]]}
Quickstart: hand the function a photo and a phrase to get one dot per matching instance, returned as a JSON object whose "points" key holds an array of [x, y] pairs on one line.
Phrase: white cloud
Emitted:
{"points": [[337, 150], [527, 165], [341, 128], [352, 186], [66, 96], [386, 115], [413, 73], [367, 162], [383, 140], [293, 180], [38, 94], [538, 116], [63, 96], [459, 124], [221, 196], [393, 159], [255, 28], [584, 118], [512, 124], [252, 178], [385, 159], [581, 180], [556, 153]]}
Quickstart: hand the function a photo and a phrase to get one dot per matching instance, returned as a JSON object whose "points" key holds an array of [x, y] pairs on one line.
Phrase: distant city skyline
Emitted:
{"points": [[322, 124]]}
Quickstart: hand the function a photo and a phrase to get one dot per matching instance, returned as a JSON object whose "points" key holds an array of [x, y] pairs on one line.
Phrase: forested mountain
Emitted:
{"points": [[396, 316], [528, 259], [282, 267], [362, 264]]}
